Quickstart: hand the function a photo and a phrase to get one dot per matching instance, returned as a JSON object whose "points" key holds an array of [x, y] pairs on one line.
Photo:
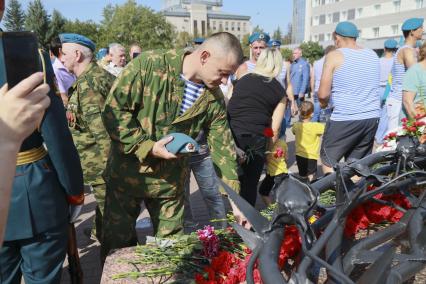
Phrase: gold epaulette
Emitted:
{"points": [[30, 156]]}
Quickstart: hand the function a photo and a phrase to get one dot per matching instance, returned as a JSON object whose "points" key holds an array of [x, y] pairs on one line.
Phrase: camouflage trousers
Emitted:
{"points": [[122, 210], [99, 193]]}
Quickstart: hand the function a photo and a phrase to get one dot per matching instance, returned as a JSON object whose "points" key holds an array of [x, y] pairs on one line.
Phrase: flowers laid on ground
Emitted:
{"points": [[410, 127], [373, 212]]}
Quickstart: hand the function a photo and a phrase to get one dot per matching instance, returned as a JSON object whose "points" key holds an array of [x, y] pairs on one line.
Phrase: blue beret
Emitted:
{"points": [[182, 143], [198, 40], [274, 43], [79, 39], [259, 36], [412, 24], [391, 43], [347, 29], [101, 53]]}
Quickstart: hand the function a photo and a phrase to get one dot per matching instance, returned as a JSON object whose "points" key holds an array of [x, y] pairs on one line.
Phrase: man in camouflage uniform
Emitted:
{"points": [[87, 98], [143, 106]]}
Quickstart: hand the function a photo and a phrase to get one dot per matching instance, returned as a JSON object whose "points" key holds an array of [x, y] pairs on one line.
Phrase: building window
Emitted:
{"points": [[328, 37], [321, 37], [419, 4], [316, 21], [344, 15], [203, 28], [376, 32], [397, 5], [395, 30], [351, 14], [377, 9], [336, 17], [329, 18], [315, 37], [359, 12], [322, 19]]}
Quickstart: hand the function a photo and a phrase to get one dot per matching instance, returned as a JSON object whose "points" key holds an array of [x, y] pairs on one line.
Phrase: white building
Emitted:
{"points": [[198, 18], [377, 20]]}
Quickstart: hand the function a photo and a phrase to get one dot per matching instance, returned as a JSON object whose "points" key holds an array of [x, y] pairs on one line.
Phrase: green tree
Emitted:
{"points": [[312, 51], [130, 23], [257, 29], [287, 37], [182, 39], [56, 25], [287, 54], [87, 28], [38, 21], [14, 18], [277, 34], [245, 45]]}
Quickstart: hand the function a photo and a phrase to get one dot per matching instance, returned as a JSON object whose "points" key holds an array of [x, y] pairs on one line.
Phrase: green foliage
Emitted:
{"points": [[257, 29], [130, 23], [183, 39], [287, 54], [245, 45], [87, 28], [277, 34], [56, 25], [312, 51], [14, 19], [38, 21]]}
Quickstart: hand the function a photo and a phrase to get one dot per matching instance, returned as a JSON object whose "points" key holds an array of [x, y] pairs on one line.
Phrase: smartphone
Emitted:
{"points": [[135, 54], [19, 57]]}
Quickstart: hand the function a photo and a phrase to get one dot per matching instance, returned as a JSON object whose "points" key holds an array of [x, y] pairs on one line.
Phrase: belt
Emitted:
{"points": [[31, 156]]}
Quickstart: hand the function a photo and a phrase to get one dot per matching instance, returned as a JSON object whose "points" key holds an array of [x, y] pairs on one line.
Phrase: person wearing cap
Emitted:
{"points": [[87, 98], [158, 93], [405, 57], [351, 76], [64, 78], [386, 63], [103, 58], [47, 181]]}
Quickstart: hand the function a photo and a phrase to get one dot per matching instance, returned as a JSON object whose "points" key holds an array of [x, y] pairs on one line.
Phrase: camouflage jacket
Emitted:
{"points": [[87, 98], [143, 106]]}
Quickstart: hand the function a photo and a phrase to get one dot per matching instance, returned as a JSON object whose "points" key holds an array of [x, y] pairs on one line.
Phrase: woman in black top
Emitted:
{"points": [[255, 113]]}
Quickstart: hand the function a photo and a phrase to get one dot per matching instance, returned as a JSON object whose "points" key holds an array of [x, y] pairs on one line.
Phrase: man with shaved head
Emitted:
{"points": [[159, 93], [87, 97]]}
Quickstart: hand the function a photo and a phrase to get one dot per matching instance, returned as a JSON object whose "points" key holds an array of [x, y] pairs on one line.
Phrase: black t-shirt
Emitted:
{"points": [[252, 104]]}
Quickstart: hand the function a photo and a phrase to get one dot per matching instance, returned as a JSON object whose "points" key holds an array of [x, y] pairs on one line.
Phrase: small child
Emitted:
{"points": [[308, 139], [276, 169]]}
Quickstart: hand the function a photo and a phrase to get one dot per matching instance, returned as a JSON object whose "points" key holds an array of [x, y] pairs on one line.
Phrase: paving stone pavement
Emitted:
{"points": [[89, 250]]}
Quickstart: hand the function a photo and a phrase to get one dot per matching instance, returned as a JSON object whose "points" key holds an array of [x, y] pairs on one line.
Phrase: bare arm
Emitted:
{"points": [[408, 101], [21, 110], [330, 62], [290, 93], [409, 57]]}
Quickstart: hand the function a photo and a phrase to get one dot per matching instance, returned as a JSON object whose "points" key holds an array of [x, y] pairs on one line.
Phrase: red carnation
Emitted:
{"points": [[404, 119], [268, 132]]}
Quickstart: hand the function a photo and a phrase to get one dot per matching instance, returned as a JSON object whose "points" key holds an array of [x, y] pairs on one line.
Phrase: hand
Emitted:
{"points": [[239, 217], [294, 108], [71, 118], [159, 149], [22, 108]]}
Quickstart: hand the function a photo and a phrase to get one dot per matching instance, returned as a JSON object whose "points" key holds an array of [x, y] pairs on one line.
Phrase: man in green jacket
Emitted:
{"points": [[87, 98], [162, 92]]}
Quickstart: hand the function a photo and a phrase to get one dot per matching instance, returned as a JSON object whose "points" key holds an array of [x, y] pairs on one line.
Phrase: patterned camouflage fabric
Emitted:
{"points": [[87, 97], [142, 107]]}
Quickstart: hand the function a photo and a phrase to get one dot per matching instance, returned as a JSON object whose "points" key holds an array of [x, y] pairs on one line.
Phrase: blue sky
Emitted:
{"points": [[268, 14]]}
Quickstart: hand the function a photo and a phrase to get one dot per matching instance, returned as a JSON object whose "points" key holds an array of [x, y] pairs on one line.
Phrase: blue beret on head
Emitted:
{"points": [[347, 29], [412, 24], [259, 36], [391, 43], [101, 53], [182, 143], [274, 43], [78, 39], [198, 40]]}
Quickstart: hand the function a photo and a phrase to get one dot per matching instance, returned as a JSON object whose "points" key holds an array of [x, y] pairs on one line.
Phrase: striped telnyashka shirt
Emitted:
{"points": [[355, 87], [398, 72], [191, 93]]}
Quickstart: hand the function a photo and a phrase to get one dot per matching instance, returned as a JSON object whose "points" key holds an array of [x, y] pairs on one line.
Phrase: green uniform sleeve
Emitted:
{"points": [[124, 100], [222, 147]]}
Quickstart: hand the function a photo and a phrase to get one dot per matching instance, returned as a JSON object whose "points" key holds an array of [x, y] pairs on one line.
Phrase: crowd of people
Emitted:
{"points": [[113, 131]]}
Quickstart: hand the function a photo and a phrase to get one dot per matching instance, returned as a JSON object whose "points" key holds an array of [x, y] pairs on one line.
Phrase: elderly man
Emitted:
{"points": [[134, 51], [87, 97], [162, 92], [351, 76], [117, 55]]}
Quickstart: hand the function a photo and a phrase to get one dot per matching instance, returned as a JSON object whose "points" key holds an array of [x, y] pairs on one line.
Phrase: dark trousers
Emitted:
{"points": [[39, 259], [255, 148]]}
